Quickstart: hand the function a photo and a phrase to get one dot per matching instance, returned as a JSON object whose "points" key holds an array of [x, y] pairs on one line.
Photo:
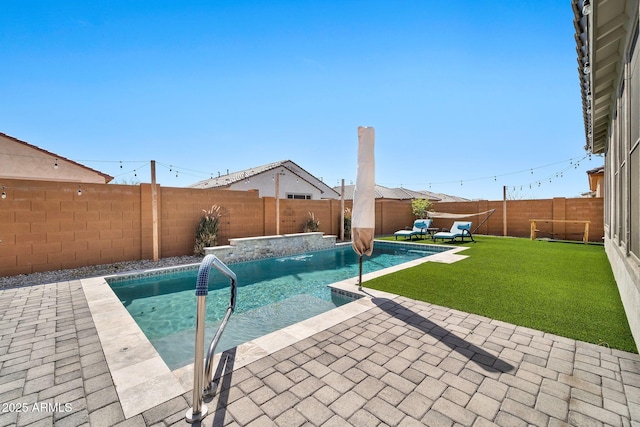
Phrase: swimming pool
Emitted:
{"points": [[272, 294]]}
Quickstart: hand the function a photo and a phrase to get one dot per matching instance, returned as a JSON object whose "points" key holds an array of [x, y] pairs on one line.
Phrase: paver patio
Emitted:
{"points": [[399, 362]]}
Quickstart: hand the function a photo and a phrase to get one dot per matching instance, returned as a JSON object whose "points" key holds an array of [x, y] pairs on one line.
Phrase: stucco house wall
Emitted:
{"points": [[289, 184], [292, 181], [21, 160]]}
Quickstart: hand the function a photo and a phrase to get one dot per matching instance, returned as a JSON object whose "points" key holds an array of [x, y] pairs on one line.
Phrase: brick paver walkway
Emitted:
{"points": [[402, 362]]}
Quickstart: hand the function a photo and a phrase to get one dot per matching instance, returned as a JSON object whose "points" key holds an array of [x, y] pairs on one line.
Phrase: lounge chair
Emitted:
{"points": [[419, 229], [458, 229]]}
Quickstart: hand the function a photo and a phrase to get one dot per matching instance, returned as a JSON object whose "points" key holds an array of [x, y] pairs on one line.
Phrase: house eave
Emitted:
{"points": [[600, 40]]}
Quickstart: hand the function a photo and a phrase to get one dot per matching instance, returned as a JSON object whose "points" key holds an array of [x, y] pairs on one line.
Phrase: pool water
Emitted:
{"points": [[272, 294]]}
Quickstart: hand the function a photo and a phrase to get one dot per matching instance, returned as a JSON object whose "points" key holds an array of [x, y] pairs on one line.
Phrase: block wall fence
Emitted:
{"points": [[48, 226]]}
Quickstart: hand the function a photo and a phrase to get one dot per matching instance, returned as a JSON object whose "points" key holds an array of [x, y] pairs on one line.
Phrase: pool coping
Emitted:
{"points": [[143, 380]]}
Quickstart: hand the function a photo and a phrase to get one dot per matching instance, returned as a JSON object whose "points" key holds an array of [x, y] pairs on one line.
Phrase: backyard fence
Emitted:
{"points": [[55, 225]]}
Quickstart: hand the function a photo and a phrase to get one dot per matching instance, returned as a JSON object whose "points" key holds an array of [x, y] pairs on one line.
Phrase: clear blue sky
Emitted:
{"points": [[460, 91]]}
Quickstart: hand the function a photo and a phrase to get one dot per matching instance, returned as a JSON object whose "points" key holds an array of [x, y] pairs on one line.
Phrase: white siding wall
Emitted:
{"points": [[622, 185]]}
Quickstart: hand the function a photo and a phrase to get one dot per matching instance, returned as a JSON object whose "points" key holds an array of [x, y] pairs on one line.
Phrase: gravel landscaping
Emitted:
{"points": [[92, 271]]}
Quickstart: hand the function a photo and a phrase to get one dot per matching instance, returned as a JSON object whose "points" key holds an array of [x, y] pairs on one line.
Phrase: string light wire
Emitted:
{"points": [[143, 164]]}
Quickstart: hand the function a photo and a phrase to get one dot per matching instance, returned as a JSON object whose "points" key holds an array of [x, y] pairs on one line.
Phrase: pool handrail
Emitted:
{"points": [[198, 411], [208, 367]]}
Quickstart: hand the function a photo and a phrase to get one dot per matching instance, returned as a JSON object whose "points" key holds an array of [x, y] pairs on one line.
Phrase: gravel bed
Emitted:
{"points": [[92, 271]]}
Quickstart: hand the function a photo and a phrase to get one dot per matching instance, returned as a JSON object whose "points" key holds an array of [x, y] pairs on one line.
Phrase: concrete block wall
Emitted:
{"points": [[48, 225]]}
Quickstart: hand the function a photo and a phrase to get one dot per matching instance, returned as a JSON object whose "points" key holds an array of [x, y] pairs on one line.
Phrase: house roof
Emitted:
{"points": [[595, 175], [449, 198], [600, 37], [108, 178], [238, 176], [391, 193], [598, 170]]}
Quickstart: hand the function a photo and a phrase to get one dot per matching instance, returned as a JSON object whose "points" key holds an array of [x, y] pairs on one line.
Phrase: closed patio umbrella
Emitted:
{"points": [[364, 198]]}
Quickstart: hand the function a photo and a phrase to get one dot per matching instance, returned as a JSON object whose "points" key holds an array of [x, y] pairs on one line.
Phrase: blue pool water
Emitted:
{"points": [[272, 294]]}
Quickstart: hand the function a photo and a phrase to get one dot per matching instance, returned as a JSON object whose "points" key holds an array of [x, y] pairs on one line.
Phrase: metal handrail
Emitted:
{"points": [[198, 411], [208, 367]]}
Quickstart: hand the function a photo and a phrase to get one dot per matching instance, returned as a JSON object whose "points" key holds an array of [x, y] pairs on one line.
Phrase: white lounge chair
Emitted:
{"points": [[458, 229], [420, 227]]}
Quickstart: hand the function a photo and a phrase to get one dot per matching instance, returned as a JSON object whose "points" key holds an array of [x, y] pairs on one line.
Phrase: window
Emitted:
{"points": [[299, 196], [633, 142], [634, 170]]}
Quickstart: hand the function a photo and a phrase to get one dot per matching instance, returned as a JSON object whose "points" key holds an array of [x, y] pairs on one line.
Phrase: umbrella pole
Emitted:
{"points": [[360, 280]]}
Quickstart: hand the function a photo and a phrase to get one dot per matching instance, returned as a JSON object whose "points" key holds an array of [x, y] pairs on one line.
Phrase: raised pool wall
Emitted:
{"points": [[251, 248]]}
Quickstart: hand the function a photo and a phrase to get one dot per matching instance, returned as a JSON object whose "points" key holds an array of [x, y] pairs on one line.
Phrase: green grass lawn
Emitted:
{"points": [[566, 289]]}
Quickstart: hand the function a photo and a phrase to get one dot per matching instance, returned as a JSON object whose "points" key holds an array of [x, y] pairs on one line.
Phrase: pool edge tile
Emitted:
{"points": [[142, 394], [137, 398]]}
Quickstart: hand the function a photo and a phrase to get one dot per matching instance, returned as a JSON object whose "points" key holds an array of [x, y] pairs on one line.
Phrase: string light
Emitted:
{"points": [[79, 191], [200, 174], [4, 194], [495, 177]]}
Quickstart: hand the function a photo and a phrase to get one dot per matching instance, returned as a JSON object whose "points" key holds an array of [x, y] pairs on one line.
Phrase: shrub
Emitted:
{"points": [[347, 224], [207, 232], [311, 223], [420, 207]]}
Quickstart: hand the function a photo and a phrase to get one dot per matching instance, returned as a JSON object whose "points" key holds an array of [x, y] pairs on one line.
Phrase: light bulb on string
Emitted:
{"points": [[120, 164], [55, 165], [4, 195], [79, 191]]}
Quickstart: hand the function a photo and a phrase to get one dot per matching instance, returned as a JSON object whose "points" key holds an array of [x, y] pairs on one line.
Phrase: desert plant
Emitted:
{"points": [[347, 223], [420, 207], [310, 223], [207, 231]]}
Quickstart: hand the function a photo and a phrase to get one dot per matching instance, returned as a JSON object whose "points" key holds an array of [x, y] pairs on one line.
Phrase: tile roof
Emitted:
{"points": [[238, 176], [391, 193]]}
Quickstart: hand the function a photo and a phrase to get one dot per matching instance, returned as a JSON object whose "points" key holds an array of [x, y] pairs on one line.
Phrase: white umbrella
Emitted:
{"points": [[364, 197]]}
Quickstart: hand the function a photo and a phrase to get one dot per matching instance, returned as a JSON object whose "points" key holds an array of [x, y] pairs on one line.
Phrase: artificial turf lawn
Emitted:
{"points": [[563, 288]]}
